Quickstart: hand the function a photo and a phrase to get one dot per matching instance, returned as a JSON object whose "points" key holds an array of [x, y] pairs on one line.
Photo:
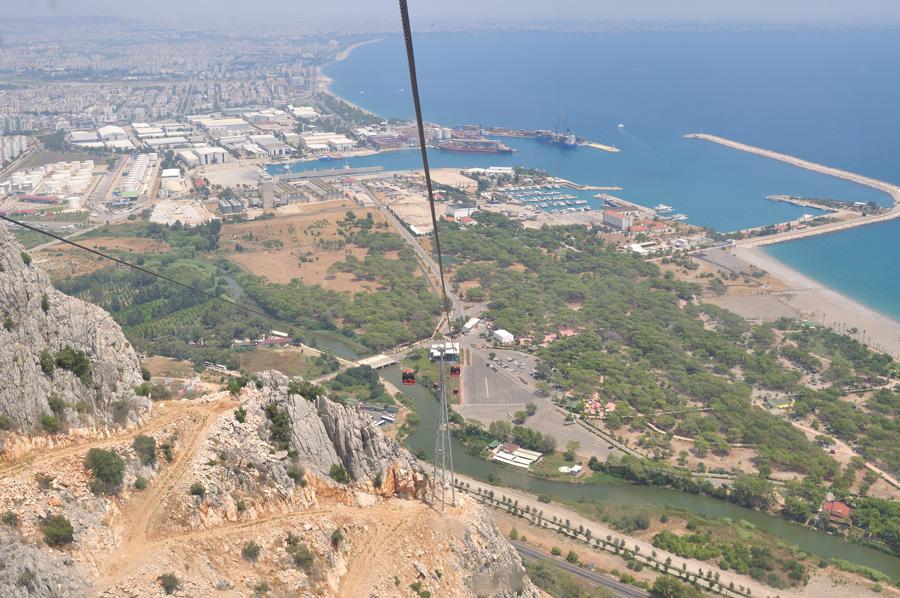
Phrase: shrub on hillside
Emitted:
{"points": [[57, 531], [108, 470]]}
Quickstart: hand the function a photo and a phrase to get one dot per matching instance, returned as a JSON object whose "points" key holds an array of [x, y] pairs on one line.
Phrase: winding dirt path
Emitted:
{"points": [[144, 515]]}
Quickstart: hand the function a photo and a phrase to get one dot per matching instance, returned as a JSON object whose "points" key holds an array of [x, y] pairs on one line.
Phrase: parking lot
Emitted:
{"points": [[505, 381]]}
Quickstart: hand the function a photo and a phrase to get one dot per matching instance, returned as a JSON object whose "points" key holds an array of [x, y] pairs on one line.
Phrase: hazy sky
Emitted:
{"points": [[447, 11]]}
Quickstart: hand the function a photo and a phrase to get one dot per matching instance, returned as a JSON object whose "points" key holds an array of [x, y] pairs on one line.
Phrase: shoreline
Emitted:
{"points": [[324, 82], [822, 304], [343, 54], [810, 298]]}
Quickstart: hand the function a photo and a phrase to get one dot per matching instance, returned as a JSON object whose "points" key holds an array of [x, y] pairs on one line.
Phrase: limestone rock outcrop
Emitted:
{"points": [[31, 571], [59, 356], [325, 433]]}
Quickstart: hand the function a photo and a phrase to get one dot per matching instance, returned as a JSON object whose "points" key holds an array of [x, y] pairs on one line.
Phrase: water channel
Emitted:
{"points": [[617, 493], [624, 493]]}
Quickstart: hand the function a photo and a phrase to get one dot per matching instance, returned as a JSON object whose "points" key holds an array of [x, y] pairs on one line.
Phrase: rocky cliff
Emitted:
{"points": [[38, 573], [64, 362], [325, 433]]}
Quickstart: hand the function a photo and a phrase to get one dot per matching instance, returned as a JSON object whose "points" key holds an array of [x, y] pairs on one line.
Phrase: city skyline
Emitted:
{"points": [[497, 11]]}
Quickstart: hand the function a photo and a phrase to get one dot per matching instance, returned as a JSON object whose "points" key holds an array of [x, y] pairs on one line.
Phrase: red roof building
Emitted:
{"points": [[838, 512]]}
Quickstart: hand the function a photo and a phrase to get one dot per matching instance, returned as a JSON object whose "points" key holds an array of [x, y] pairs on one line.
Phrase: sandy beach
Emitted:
{"points": [[815, 301]]}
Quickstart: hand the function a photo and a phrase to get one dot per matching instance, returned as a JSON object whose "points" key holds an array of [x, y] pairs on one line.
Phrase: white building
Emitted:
{"points": [[112, 133], [512, 454], [504, 337], [303, 112], [470, 325], [317, 142], [461, 210], [170, 180], [210, 155], [449, 349], [189, 158], [222, 126], [161, 143], [79, 137], [620, 219], [272, 146], [137, 172]]}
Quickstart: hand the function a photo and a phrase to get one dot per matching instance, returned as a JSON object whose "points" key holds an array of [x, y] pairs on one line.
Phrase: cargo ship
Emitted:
{"points": [[484, 146], [566, 140]]}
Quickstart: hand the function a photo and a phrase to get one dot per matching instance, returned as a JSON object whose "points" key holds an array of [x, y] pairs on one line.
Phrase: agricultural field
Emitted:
{"points": [[290, 361], [63, 261]]}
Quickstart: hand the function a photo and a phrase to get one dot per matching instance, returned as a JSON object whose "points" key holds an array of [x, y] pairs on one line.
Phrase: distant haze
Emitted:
{"points": [[449, 12]]}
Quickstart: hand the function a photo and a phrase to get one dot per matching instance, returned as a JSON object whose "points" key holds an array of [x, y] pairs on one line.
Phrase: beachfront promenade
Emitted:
{"points": [[890, 188]]}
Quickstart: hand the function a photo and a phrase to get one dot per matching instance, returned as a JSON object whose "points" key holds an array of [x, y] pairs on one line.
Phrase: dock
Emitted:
{"points": [[606, 148], [328, 172], [535, 134], [890, 188]]}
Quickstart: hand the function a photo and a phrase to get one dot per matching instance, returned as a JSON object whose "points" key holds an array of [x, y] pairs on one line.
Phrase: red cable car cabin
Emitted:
{"points": [[454, 371], [408, 377]]}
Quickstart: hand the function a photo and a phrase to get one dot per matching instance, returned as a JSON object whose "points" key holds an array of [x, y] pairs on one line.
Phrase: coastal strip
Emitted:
{"points": [[817, 302], [343, 54]]}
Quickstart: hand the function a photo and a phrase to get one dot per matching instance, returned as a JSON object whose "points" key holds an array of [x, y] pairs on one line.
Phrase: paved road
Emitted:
{"points": [[457, 308], [616, 587]]}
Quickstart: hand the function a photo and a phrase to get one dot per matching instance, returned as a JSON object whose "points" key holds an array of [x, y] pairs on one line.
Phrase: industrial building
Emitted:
{"points": [[221, 126], [323, 142], [210, 155], [303, 112], [230, 206], [189, 158], [170, 180], [137, 173], [272, 146], [112, 133]]}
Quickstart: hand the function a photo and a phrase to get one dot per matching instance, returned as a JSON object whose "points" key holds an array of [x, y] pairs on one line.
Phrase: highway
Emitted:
{"points": [[618, 588]]}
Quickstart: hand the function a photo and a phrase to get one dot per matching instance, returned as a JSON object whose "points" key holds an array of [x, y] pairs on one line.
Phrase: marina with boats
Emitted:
{"points": [[547, 198]]}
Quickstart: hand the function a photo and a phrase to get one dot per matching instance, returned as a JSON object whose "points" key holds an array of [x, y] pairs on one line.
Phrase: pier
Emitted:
{"points": [[831, 227], [889, 188], [535, 134]]}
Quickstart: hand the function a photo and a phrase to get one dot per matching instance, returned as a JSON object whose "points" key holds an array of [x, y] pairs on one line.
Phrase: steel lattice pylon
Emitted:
{"points": [[443, 453]]}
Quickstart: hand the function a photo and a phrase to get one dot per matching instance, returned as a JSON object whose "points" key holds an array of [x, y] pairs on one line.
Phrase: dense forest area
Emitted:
{"points": [[663, 354]]}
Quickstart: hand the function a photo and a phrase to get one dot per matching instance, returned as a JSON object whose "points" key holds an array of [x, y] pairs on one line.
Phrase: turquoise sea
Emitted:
{"points": [[829, 97]]}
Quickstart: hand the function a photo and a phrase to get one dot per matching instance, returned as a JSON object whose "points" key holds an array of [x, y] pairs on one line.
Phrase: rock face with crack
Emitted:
{"points": [[324, 433], [60, 357]]}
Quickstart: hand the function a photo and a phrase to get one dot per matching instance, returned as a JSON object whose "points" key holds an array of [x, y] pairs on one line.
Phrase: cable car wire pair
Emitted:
{"points": [[443, 455]]}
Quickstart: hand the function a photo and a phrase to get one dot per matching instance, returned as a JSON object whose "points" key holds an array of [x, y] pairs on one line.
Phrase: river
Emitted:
{"points": [[624, 493]]}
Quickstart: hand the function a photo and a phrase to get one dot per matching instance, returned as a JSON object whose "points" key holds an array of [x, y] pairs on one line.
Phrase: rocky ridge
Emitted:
{"points": [[40, 322]]}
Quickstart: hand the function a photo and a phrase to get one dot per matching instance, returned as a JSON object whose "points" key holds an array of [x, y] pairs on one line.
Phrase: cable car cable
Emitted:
{"points": [[148, 271]]}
